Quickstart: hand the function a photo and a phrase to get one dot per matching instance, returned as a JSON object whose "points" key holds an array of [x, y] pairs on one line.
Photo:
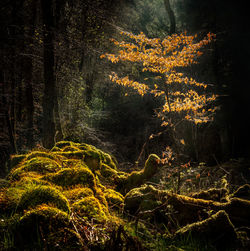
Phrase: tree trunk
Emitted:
{"points": [[49, 76], [171, 16]]}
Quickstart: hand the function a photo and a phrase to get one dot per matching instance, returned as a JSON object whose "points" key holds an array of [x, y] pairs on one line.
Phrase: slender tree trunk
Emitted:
{"points": [[49, 76], [28, 64], [29, 102], [171, 16]]}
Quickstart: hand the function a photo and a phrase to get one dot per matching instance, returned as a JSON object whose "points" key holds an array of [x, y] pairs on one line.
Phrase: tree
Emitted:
{"points": [[162, 65], [171, 17], [49, 76]]}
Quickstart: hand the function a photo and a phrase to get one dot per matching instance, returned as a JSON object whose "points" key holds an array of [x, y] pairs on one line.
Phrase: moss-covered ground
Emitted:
{"points": [[74, 197]]}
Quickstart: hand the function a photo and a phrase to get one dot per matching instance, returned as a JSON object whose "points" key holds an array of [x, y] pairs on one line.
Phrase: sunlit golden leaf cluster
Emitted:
{"points": [[165, 59]]}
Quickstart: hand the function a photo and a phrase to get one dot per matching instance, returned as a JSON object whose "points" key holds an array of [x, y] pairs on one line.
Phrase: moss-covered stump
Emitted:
{"points": [[126, 182], [217, 230]]}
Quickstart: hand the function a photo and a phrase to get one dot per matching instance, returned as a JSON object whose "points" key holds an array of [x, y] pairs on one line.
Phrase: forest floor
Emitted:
{"points": [[75, 197]]}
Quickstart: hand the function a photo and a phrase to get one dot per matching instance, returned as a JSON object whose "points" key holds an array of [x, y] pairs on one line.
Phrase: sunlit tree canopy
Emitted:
{"points": [[165, 59]]}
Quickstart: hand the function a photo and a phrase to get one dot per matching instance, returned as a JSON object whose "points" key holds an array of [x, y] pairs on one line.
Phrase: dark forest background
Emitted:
{"points": [[54, 86]]}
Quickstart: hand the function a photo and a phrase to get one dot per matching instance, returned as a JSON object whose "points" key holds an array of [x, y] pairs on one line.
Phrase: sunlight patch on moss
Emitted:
{"points": [[90, 208], [43, 195]]}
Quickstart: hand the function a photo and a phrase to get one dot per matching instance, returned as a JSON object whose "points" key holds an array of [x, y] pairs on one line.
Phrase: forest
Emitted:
{"points": [[124, 125]]}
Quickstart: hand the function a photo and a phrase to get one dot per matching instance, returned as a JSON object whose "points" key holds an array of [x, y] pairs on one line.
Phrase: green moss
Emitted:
{"points": [[62, 144], [55, 149], [78, 193], [101, 197], [137, 178], [215, 194], [107, 172], [48, 155], [108, 160], [77, 175], [242, 192], [92, 160], [84, 146], [90, 208], [114, 199], [70, 148], [16, 160], [32, 179], [152, 165], [72, 155], [217, 229], [45, 213], [4, 183], [40, 165], [43, 195], [8, 200], [142, 198], [38, 225]]}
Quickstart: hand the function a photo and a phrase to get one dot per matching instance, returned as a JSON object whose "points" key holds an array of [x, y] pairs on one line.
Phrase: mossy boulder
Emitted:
{"points": [[40, 165], [90, 208], [43, 195], [107, 172], [49, 155], [77, 175], [44, 187], [62, 144], [115, 200], [142, 199], [4, 183], [78, 193], [16, 160], [38, 225]]}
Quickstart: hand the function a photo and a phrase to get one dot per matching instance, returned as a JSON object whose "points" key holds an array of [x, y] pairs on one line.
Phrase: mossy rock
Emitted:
{"points": [[90, 208], [43, 195], [92, 160], [142, 199], [107, 172], [40, 165], [70, 148], [55, 149], [15, 160], [62, 144], [4, 183], [79, 155], [77, 175], [48, 155], [78, 193], [38, 224], [114, 199]]}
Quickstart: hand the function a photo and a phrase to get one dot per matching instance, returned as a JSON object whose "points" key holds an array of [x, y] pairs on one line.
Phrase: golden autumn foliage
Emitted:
{"points": [[165, 59]]}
